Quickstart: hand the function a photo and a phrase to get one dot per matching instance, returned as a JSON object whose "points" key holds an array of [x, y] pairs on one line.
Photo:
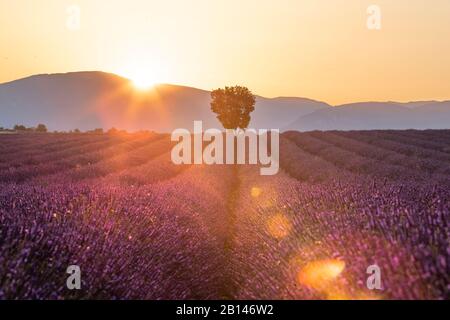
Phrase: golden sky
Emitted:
{"points": [[320, 49]]}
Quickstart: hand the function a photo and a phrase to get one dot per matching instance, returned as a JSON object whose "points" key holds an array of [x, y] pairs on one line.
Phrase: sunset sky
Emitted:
{"points": [[320, 49]]}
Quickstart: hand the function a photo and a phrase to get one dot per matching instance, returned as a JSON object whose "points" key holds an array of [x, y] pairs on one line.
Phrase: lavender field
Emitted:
{"points": [[141, 227]]}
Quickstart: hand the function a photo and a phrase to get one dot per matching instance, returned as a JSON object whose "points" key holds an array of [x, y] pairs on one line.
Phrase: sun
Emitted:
{"points": [[143, 81], [144, 69], [141, 75]]}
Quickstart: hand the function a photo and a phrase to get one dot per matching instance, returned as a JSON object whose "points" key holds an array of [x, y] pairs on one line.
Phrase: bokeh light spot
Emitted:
{"points": [[255, 192], [279, 226]]}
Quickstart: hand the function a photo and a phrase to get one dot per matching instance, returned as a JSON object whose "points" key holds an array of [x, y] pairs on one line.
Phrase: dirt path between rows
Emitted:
{"points": [[228, 288]]}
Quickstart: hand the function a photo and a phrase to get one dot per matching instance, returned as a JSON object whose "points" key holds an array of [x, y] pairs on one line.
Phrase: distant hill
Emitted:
{"points": [[376, 115], [278, 112], [87, 100]]}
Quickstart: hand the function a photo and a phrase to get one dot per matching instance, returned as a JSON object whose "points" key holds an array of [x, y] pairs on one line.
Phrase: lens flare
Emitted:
{"points": [[279, 226], [319, 274], [256, 192]]}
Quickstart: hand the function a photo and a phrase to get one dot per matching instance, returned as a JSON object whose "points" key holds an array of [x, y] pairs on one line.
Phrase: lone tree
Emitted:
{"points": [[41, 128], [233, 106]]}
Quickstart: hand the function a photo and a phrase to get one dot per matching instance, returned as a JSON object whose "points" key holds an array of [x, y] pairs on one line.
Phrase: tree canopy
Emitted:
{"points": [[41, 128], [233, 106]]}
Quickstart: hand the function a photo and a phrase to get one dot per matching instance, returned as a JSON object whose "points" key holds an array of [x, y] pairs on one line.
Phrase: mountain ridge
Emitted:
{"points": [[93, 99]]}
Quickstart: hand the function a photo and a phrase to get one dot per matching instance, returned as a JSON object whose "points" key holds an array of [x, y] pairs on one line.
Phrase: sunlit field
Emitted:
{"points": [[141, 227]]}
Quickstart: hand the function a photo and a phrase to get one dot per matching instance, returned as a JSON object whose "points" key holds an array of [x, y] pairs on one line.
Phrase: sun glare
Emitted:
{"points": [[143, 75], [143, 81]]}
